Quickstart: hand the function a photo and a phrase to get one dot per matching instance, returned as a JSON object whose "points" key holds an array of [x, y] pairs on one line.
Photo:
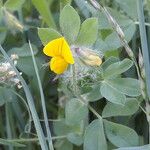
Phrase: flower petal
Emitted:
{"points": [[66, 52], [54, 47], [58, 65]]}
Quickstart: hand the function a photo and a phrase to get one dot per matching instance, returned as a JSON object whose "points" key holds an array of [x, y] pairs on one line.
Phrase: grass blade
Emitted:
{"points": [[8, 128], [42, 100], [43, 8], [144, 44]]}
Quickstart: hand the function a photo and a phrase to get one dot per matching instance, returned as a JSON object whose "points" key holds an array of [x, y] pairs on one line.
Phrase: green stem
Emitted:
{"points": [[78, 95], [94, 112], [146, 23], [34, 139], [24, 102], [75, 88]]}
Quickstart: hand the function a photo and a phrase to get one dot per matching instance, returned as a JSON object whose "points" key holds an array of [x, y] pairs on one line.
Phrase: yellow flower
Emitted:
{"points": [[61, 55]]}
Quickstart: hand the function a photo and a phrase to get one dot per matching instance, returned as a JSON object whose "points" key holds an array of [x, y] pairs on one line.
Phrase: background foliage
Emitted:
{"points": [[88, 108]]}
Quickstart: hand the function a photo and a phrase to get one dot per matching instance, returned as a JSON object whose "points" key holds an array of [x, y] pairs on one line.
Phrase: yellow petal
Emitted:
{"points": [[54, 47], [58, 65], [66, 52], [59, 47]]}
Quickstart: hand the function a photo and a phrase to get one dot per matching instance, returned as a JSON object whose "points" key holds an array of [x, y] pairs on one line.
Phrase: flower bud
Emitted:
{"points": [[88, 56]]}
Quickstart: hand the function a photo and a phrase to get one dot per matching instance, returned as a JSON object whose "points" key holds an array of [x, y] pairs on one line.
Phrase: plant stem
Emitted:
{"points": [[94, 112], [75, 88], [42, 100], [24, 102], [146, 23], [78, 95], [33, 139]]}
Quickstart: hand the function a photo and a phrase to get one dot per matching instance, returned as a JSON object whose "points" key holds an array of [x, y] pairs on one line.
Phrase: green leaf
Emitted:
{"points": [[63, 145], [105, 33], [75, 111], [122, 20], [145, 147], [120, 135], [106, 45], [109, 61], [3, 33], [128, 26], [10, 143], [130, 107], [61, 128], [93, 95], [69, 23], [1, 3], [48, 34], [111, 94], [147, 5], [63, 3], [14, 4], [23, 51], [129, 7], [88, 32], [75, 138], [1, 16], [83, 7], [114, 53], [28, 68], [6, 95], [117, 68], [43, 9], [127, 86], [94, 138]]}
